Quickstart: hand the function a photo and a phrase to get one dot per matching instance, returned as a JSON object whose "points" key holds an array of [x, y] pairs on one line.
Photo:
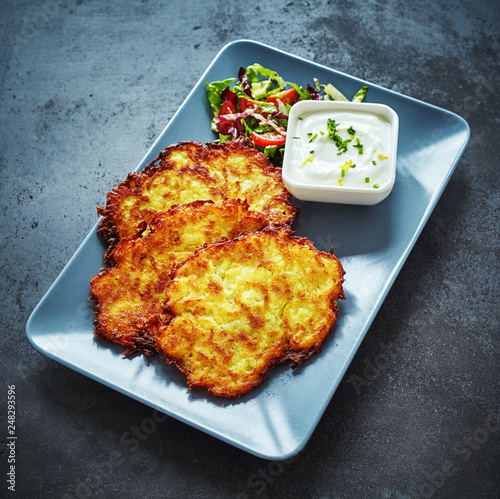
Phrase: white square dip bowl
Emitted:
{"points": [[341, 152]]}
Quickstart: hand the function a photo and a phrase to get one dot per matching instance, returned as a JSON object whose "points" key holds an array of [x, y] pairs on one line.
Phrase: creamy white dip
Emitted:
{"points": [[318, 159]]}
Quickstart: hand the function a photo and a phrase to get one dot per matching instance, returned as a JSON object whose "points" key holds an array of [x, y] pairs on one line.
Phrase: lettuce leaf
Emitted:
{"points": [[303, 93], [214, 93], [333, 92], [262, 87]]}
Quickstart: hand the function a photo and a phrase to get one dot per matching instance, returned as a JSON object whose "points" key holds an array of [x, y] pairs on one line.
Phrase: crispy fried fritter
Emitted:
{"points": [[242, 306], [128, 297], [190, 171]]}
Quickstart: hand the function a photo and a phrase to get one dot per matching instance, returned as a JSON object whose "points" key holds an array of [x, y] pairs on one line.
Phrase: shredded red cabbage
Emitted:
{"points": [[277, 114], [228, 95], [314, 94], [237, 127], [240, 127], [245, 85]]}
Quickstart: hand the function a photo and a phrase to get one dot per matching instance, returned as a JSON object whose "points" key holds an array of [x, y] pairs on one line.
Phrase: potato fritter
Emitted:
{"points": [[190, 171], [242, 306], [128, 297]]}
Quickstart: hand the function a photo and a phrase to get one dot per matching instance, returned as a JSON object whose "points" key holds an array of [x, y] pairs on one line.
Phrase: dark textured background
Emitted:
{"points": [[86, 86]]}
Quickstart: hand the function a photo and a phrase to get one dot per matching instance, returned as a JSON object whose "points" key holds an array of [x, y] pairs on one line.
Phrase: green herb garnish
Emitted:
{"points": [[331, 126], [351, 131], [341, 144], [359, 146]]}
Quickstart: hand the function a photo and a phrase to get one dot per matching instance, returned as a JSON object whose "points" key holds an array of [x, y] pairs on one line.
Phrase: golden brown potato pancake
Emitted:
{"points": [[190, 171], [128, 297], [242, 306]]}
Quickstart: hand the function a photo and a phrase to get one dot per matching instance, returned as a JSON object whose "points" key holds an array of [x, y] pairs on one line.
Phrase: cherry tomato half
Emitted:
{"points": [[227, 108], [287, 97], [268, 139], [243, 104]]}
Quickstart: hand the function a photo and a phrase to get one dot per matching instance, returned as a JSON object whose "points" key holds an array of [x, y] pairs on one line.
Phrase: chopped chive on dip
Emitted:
{"points": [[343, 146], [374, 162], [332, 128], [351, 131], [376, 186], [358, 145], [367, 180]]}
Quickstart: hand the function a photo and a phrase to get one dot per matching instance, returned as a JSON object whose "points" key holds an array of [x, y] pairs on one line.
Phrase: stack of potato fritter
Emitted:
{"points": [[203, 267]]}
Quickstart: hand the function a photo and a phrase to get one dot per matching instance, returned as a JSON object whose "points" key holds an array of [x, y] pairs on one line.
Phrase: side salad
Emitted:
{"points": [[256, 105]]}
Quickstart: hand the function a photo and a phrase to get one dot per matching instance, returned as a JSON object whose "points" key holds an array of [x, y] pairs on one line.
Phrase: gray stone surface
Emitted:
{"points": [[86, 86]]}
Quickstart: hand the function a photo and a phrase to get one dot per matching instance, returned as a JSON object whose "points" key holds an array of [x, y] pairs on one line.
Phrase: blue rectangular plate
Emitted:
{"points": [[275, 420]]}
